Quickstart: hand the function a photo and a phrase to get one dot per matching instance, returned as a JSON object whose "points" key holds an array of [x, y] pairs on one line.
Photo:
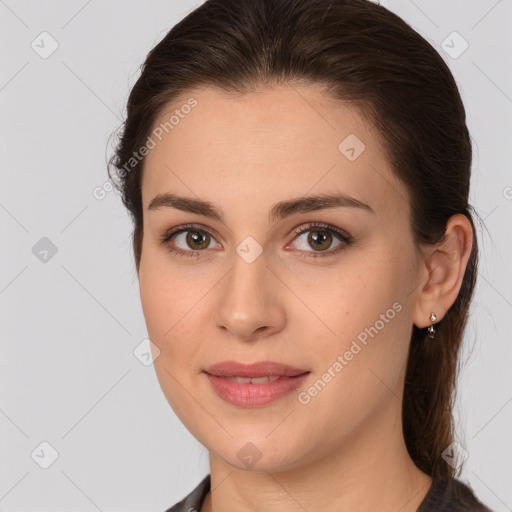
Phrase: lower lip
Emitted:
{"points": [[254, 395]]}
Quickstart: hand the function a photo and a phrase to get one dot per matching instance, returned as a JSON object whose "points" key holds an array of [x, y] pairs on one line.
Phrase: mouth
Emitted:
{"points": [[253, 385]]}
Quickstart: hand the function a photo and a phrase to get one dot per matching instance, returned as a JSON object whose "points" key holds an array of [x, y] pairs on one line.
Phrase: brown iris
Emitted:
{"points": [[198, 239], [317, 239]]}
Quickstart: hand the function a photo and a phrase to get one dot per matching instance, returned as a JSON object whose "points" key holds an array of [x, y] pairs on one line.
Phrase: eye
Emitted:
{"points": [[320, 237], [188, 240]]}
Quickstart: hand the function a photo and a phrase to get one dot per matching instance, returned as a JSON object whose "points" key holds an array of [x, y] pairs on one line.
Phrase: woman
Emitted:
{"points": [[298, 174]]}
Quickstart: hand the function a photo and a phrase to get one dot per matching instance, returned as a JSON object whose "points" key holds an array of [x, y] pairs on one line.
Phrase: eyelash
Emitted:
{"points": [[312, 226]]}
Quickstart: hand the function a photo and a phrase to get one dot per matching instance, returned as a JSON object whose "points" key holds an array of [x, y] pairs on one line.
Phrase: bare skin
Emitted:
{"points": [[344, 449]]}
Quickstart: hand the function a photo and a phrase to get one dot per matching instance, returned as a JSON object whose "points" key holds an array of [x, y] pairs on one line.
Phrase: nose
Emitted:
{"points": [[249, 303]]}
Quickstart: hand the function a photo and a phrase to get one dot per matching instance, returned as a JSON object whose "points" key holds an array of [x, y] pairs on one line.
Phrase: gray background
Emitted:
{"points": [[73, 375]]}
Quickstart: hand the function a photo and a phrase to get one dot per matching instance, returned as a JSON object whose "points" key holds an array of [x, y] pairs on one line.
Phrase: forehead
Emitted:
{"points": [[268, 145]]}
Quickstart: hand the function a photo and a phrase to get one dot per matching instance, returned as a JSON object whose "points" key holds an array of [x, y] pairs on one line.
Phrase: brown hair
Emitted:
{"points": [[366, 54]]}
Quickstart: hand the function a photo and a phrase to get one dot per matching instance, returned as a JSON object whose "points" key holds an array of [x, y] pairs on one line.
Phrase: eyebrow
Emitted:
{"points": [[278, 211]]}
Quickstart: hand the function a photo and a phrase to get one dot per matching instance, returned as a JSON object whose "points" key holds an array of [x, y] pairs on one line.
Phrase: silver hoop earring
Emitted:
{"points": [[431, 329]]}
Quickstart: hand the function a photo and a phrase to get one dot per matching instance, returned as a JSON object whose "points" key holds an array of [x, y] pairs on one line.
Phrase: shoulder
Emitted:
{"points": [[193, 501], [451, 495]]}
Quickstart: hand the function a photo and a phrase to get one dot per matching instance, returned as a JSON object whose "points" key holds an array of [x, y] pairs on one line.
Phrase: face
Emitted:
{"points": [[326, 287]]}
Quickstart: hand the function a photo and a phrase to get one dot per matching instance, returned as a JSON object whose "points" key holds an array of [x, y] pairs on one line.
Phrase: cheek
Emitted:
{"points": [[362, 367], [168, 307], [174, 306], [350, 297], [164, 294], [362, 310]]}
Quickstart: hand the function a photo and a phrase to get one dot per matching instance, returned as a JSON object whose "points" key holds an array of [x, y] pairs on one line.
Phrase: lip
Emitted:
{"points": [[259, 369], [249, 394]]}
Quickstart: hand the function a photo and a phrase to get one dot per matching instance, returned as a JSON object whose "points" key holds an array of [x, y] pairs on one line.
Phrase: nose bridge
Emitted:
{"points": [[246, 301]]}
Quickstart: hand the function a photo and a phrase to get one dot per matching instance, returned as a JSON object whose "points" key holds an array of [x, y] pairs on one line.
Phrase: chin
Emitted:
{"points": [[257, 453]]}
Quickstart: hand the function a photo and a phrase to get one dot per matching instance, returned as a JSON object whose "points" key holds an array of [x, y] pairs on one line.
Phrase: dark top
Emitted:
{"points": [[443, 496]]}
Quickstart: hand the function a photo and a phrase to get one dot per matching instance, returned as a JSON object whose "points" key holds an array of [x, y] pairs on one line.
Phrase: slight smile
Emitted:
{"points": [[256, 384]]}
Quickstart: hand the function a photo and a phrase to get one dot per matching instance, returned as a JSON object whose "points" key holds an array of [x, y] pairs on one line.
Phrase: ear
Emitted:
{"points": [[444, 267]]}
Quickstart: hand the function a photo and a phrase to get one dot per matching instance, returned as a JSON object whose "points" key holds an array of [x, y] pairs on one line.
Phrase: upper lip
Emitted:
{"points": [[259, 369]]}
